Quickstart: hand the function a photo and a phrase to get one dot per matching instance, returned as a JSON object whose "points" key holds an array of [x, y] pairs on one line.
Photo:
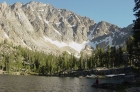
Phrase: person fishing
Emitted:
{"points": [[97, 81]]}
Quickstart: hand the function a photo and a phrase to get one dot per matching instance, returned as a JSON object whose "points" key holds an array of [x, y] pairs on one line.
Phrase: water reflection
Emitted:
{"points": [[12, 83]]}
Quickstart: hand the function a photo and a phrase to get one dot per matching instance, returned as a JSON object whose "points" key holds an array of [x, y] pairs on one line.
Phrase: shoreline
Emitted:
{"points": [[125, 86]]}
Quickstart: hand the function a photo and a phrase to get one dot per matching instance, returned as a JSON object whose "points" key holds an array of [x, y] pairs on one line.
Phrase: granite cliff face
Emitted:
{"points": [[42, 27]]}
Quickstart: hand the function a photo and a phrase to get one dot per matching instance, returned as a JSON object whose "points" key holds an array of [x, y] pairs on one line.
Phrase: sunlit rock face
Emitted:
{"points": [[42, 27]]}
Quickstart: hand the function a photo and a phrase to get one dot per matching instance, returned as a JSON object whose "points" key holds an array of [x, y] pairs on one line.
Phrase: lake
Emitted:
{"points": [[14, 83]]}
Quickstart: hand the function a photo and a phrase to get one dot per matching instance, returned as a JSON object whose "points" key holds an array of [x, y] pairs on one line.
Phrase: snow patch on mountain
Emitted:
{"points": [[123, 33], [91, 33], [78, 18], [76, 46], [40, 17], [106, 40], [59, 44], [77, 55], [26, 45], [42, 10], [47, 22], [56, 30], [6, 35], [58, 23]]}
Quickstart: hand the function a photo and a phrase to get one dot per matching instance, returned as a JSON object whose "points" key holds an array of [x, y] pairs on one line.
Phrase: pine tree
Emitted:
{"points": [[81, 62], [108, 56], [136, 28], [129, 44]]}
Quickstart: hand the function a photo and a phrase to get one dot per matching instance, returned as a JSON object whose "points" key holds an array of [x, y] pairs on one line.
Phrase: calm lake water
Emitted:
{"points": [[13, 83]]}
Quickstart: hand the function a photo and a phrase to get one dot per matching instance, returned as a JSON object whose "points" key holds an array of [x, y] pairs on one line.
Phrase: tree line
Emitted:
{"points": [[24, 60]]}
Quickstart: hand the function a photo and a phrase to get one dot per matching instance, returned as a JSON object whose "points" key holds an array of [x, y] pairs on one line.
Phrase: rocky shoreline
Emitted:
{"points": [[133, 89]]}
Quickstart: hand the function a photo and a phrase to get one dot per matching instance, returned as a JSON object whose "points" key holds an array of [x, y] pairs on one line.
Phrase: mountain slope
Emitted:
{"points": [[42, 27]]}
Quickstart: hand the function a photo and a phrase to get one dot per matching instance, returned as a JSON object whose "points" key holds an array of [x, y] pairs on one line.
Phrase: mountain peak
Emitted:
{"points": [[38, 3], [42, 27], [16, 5], [3, 5]]}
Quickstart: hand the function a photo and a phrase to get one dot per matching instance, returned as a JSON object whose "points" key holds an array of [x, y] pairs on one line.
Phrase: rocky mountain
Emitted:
{"points": [[42, 27]]}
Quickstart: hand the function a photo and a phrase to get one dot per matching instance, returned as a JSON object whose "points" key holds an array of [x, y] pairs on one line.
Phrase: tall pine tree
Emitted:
{"points": [[136, 29]]}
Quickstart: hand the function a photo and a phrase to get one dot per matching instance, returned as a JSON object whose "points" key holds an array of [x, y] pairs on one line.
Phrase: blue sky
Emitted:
{"points": [[118, 12]]}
